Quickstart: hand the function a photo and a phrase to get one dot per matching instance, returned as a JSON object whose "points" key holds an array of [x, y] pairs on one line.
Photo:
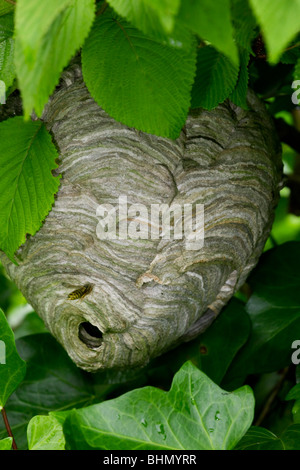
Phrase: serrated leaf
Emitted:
{"points": [[137, 80], [150, 16], [6, 27], [5, 444], [5, 7], [45, 433], [194, 414], [244, 23], [7, 66], [12, 367], [41, 42], [215, 78], [239, 94], [27, 187], [274, 310], [211, 21], [280, 22]]}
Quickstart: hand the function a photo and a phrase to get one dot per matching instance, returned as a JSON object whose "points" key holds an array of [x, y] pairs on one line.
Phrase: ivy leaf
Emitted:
{"points": [[194, 414], [215, 79], [5, 444], [52, 382], [211, 21], [45, 433], [27, 187], [47, 33], [204, 351], [274, 310], [12, 367], [257, 438], [280, 23]]}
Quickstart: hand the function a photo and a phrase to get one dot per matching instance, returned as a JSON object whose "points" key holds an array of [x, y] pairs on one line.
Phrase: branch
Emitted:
{"points": [[8, 429]]}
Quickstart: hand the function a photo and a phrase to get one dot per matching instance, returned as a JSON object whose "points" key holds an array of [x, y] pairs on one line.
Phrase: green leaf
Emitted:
{"points": [[294, 393], [291, 437], [239, 94], [7, 67], [52, 382], [257, 438], [280, 22], [215, 79], [291, 56], [211, 21], [137, 80], [12, 367], [274, 310], [296, 74], [194, 414], [150, 16], [244, 23], [27, 187], [6, 27], [204, 351], [5, 444], [45, 433], [47, 33], [5, 7]]}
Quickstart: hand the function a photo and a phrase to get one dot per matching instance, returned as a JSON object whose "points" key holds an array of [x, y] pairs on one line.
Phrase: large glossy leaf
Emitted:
{"points": [[52, 382], [12, 367], [27, 187], [257, 438], [212, 351], [274, 310], [137, 80], [194, 414]]}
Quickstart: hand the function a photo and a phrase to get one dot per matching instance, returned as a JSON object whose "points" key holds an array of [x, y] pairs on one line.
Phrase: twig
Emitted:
{"points": [[8, 429], [271, 397]]}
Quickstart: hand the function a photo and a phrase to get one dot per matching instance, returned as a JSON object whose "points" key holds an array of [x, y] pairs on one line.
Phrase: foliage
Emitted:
{"points": [[146, 63]]}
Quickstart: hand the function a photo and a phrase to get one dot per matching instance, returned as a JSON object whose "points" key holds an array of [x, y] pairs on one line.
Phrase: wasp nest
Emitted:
{"points": [[120, 302]]}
